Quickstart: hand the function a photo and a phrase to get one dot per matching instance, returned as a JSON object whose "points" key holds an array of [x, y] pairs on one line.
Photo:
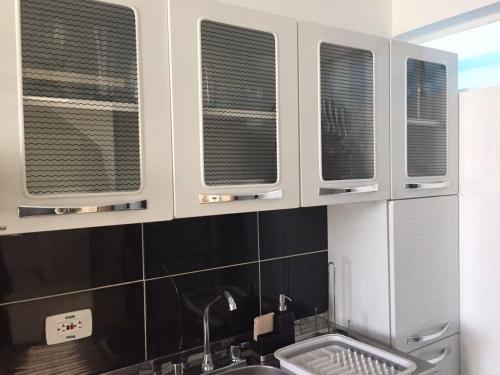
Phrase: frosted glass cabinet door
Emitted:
{"points": [[84, 99], [424, 124], [344, 115], [234, 99], [424, 283]]}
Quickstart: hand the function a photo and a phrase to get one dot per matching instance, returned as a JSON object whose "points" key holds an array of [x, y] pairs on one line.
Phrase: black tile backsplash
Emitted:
{"points": [[47, 263], [173, 329], [291, 232], [186, 262], [303, 278], [185, 245], [117, 339]]}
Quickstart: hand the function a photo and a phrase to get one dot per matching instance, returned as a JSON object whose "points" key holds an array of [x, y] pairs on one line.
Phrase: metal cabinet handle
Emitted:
{"points": [[355, 189], [224, 198], [25, 211], [430, 337], [442, 355], [428, 185]]}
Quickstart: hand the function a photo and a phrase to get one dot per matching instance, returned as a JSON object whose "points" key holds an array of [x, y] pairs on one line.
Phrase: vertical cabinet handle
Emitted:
{"points": [[428, 185], [355, 189], [224, 198], [442, 355], [26, 211], [430, 337]]}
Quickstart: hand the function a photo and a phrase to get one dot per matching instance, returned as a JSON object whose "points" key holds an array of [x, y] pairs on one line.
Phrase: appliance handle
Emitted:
{"points": [[430, 337], [225, 198], [442, 355], [27, 211], [355, 189], [427, 185]]}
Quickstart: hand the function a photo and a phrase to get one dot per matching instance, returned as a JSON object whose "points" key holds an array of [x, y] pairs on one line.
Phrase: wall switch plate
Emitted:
{"points": [[69, 326]]}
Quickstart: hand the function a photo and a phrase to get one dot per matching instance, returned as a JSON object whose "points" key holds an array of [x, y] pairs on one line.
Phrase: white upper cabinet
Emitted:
{"points": [[235, 117], [84, 98], [424, 123], [344, 116]]}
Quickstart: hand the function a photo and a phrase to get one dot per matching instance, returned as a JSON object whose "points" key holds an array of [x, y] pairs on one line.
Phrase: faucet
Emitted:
{"points": [[208, 363]]}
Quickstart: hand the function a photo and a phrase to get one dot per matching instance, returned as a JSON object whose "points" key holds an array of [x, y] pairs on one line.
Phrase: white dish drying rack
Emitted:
{"points": [[340, 355]]}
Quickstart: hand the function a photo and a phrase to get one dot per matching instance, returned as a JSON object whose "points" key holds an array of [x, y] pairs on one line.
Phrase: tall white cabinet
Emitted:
{"points": [[344, 115], [424, 121], [407, 293], [424, 270], [85, 114], [235, 116]]}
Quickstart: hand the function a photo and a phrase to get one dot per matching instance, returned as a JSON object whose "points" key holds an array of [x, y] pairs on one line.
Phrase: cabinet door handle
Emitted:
{"points": [[356, 189], [427, 185], [430, 337], [442, 355], [224, 198], [25, 211]]}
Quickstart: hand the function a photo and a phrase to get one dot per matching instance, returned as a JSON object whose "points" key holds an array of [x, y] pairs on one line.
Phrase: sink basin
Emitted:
{"points": [[256, 370]]}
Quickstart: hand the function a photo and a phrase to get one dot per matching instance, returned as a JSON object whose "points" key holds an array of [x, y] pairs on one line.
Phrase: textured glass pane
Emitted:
{"points": [[81, 119], [239, 105], [347, 114], [426, 134]]}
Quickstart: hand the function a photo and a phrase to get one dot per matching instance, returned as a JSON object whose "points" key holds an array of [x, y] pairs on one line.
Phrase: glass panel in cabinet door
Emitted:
{"points": [[80, 97], [238, 76], [426, 116], [347, 113]]}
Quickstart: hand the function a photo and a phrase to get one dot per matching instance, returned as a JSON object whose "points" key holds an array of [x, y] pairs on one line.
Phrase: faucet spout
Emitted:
{"points": [[230, 300], [208, 363]]}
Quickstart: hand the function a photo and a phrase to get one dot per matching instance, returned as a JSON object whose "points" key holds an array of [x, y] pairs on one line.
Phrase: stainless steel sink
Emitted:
{"points": [[256, 370]]}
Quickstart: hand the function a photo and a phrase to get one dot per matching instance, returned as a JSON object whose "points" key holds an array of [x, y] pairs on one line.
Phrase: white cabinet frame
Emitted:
{"points": [[78, 210], [314, 189], [192, 196], [404, 186]]}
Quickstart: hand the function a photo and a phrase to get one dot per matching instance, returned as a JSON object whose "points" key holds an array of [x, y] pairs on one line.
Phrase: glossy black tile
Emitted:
{"points": [[41, 264], [175, 307], [185, 245], [303, 278], [47, 263], [291, 232], [117, 339]]}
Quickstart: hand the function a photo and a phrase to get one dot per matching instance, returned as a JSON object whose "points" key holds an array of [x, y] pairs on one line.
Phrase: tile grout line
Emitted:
{"points": [[144, 280], [144, 295], [295, 255], [234, 265], [258, 260], [71, 293], [202, 270]]}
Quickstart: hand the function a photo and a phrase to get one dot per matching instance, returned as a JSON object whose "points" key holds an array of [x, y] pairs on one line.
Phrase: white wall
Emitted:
{"points": [[369, 16], [362, 267], [408, 15], [480, 231]]}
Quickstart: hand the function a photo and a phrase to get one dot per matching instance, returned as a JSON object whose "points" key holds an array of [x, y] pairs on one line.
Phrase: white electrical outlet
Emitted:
{"points": [[69, 326]]}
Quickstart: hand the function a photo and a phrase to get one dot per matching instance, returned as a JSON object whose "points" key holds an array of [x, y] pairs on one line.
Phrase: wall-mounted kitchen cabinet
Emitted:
{"points": [[344, 116], [424, 122], [85, 106], [235, 117]]}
